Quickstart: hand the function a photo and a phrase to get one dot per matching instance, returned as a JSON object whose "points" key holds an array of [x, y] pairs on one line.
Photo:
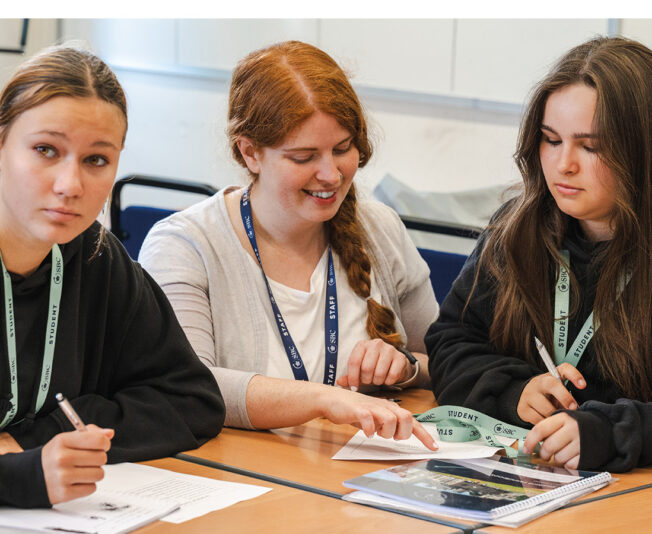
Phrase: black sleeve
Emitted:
{"points": [[614, 437], [21, 480], [465, 368], [151, 388]]}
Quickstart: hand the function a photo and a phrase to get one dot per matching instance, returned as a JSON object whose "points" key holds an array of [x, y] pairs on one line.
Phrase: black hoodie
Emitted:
{"points": [[121, 358], [467, 370]]}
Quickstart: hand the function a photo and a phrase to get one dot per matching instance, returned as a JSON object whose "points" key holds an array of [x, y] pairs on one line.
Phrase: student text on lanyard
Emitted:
{"points": [[331, 330], [56, 285], [589, 327]]}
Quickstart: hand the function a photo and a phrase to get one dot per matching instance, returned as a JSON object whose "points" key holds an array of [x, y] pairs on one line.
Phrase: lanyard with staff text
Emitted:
{"points": [[456, 424], [330, 309], [56, 283], [589, 327]]}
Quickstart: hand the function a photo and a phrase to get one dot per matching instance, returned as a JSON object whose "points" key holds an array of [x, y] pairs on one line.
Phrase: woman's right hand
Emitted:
{"points": [[372, 415], [544, 394], [72, 462]]}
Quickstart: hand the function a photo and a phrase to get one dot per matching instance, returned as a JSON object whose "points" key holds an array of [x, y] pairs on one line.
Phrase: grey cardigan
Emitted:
{"points": [[222, 304]]}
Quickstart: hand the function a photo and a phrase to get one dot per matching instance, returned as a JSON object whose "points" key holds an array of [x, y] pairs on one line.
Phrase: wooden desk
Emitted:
{"points": [[285, 510], [302, 453], [301, 456]]}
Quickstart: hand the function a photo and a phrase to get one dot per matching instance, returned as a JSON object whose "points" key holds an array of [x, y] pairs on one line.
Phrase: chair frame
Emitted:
{"points": [[150, 181]]}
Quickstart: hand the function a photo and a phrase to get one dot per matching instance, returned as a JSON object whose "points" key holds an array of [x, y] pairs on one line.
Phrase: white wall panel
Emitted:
{"points": [[219, 44], [127, 41], [502, 59], [412, 55], [639, 29]]}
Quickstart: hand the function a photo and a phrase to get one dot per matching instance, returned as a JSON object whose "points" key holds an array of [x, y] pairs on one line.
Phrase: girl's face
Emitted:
{"points": [[581, 184], [309, 174], [57, 165]]}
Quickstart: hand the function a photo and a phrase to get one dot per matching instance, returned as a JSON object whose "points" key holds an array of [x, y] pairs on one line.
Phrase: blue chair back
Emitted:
{"points": [[444, 268], [138, 220], [131, 224]]}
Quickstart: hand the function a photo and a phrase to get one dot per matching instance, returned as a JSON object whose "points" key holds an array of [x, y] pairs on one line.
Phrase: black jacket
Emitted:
{"points": [[467, 370], [121, 358]]}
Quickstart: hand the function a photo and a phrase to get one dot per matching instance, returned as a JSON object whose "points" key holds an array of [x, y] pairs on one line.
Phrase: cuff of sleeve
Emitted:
{"points": [[508, 402], [22, 475], [32, 434], [596, 438]]}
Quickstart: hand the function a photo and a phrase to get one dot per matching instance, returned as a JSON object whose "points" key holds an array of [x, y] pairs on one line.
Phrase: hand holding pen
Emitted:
{"points": [[546, 393], [72, 461]]}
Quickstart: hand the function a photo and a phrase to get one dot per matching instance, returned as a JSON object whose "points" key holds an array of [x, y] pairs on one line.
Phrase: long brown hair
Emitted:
{"points": [[522, 250], [59, 71], [273, 91]]}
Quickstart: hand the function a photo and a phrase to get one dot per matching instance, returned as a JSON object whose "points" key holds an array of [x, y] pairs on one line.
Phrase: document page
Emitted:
{"points": [[195, 495], [360, 447], [132, 495]]}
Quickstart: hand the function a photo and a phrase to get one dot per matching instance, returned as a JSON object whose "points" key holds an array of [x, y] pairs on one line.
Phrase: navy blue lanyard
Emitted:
{"points": [[331, 331]]}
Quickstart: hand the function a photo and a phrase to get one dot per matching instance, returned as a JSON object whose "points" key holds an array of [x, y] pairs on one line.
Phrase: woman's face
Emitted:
{"points": [[309, 174], [58, 162], [581, 184]]}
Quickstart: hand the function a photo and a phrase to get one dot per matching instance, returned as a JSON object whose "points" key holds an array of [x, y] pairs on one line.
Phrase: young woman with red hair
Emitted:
{"points": [[292, 285]]}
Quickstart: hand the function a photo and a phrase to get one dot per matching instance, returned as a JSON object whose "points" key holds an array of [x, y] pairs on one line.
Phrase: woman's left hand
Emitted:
{"points": [[560, 437], [375, 362]]}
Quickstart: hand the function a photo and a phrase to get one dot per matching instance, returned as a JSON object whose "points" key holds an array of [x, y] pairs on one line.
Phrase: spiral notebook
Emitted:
{"points": [[488, 489]]}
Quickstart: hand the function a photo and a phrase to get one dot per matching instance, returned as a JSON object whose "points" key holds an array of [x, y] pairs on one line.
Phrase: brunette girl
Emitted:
{"points": [[570, 262]]}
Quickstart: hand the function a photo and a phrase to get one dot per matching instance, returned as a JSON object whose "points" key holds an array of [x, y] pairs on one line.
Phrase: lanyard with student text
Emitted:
{"points": [[330, 309], [590, 326], [56, 284], [457, 424]]}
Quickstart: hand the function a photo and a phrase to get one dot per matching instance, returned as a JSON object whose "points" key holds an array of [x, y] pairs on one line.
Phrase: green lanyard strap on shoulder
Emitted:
{"points": [[590, 326], [56, 285]]}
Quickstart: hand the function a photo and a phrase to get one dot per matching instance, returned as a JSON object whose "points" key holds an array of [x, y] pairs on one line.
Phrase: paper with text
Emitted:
{"points": [[360, 447], [195, 495]]}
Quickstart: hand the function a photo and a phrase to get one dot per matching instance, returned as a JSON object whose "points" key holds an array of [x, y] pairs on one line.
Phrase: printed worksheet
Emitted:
{"points": [[360, 447]]}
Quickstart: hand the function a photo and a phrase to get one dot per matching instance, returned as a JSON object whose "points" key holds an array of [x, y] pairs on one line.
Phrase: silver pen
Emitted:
{"points": [[547, 360], [70, 412]]}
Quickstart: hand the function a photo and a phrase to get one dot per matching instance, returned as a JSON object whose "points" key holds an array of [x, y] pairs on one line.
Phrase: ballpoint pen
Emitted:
{"points": [[70, 412], [547, 360]]}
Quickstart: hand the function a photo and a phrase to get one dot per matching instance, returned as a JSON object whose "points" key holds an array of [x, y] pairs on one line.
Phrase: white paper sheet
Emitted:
{"points": [[360, 447], [100, 513], [132, 495], [196, 495]]}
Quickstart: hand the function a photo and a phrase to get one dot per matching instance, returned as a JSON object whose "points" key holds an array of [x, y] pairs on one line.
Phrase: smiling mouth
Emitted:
{"points": [[320, 194]]}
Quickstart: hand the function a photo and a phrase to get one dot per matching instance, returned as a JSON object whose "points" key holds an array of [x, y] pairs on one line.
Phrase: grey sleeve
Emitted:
{"points": [[171, 257]]}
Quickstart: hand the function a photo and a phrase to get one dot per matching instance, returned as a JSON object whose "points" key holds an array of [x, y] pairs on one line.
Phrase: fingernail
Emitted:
{"points": [[354, 388], [581, 383], [573, 406]]}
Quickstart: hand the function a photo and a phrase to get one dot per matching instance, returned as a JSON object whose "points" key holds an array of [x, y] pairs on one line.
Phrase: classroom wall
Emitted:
{"points": [[444, 96]]}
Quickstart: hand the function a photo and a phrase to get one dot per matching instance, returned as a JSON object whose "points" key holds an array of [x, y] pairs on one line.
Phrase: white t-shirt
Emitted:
{"points": [[303, 313]]}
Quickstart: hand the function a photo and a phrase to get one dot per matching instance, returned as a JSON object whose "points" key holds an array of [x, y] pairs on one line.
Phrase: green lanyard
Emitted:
{"points": [[455, 423], [56, 284], [589, 327]]}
